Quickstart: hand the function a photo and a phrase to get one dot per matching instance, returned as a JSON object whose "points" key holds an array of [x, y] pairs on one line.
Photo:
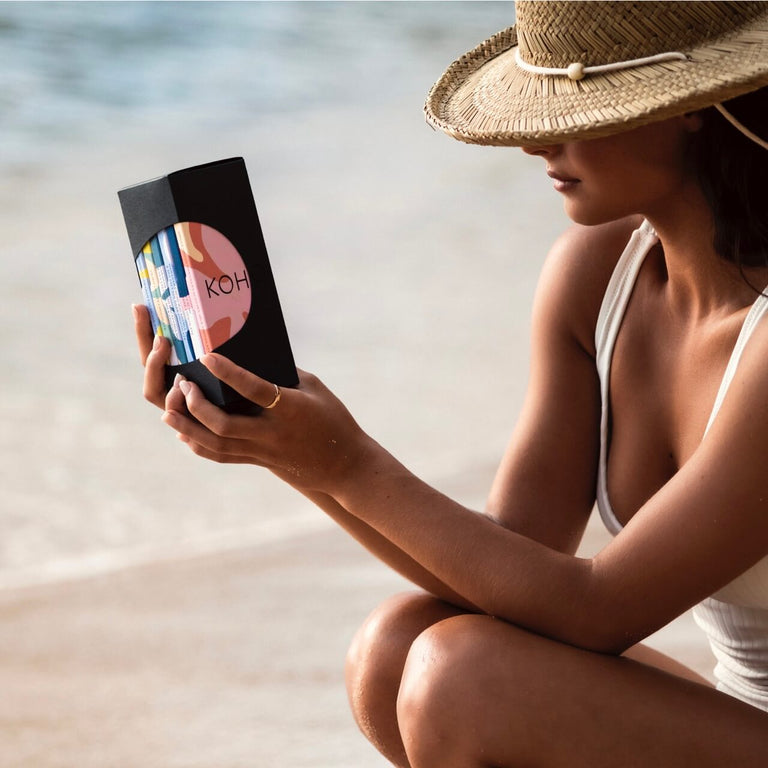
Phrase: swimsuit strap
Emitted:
{"points": [[609, 321], [756, 312], [615, 300]]}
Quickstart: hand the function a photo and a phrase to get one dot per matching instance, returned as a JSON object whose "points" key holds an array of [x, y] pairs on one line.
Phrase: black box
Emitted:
{"points": [[200, 205]]}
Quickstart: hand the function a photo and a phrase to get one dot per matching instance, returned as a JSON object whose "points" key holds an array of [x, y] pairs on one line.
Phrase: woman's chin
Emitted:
{"points": [[590, 216]]}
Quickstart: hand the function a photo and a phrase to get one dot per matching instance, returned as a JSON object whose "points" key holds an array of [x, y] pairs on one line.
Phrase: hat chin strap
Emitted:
{"points": [[740, 126], [577, 71]]}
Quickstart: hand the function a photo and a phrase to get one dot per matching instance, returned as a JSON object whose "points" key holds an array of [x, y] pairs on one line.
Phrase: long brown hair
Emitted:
{"points": [[733, 174]]}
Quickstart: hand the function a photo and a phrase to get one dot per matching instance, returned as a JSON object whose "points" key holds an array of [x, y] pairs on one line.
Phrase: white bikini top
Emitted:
{"points": [[751, 588]]}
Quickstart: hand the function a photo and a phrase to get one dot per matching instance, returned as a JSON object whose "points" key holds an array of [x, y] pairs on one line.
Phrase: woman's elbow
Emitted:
{"points": [[605, 622]]}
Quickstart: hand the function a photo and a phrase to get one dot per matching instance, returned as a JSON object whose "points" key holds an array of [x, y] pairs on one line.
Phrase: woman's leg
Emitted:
{"points": [[375, 665], [477, 692]]}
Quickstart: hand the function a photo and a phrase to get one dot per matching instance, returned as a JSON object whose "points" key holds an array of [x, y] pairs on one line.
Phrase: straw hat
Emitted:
{"points": [[573, 70]]}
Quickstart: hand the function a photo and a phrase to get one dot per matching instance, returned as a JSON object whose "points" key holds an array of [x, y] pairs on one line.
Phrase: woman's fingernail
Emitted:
{"points": [[178, 378], [184, 387], [135, 311], [156, 343]]}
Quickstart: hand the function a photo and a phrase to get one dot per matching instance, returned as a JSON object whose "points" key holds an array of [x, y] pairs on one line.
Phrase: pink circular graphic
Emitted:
{"points": [[196, 287]]}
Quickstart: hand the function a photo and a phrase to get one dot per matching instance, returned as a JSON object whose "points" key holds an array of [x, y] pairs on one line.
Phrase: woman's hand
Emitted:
{"points": [[154, 352], [308, 438]]}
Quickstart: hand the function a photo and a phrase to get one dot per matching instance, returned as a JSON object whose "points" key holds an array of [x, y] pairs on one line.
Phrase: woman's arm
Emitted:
{"points": [[540, 469], [386, 551], [705, 526], [154, 353], [313, 444], [545, 486], [676, 550]]}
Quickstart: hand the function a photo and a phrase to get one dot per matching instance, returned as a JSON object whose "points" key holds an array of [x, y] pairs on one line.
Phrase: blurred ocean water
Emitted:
{"points": [[73, 70], [405, 261]]}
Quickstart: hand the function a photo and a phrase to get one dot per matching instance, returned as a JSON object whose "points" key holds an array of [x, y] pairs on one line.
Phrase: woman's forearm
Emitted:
{"points": [[501, 572], [386, 551], [314, 444]]}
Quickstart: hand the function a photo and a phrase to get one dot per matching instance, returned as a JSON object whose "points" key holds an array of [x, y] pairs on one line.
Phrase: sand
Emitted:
{"points": [[218, 661]]}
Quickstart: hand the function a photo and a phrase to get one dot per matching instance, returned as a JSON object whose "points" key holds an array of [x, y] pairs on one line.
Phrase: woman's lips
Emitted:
{"points": [[562, 183]]}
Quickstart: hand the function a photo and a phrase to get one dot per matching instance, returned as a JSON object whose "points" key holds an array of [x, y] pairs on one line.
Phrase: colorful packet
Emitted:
{"points": [[174, 304], [168, 316], [146, 291], [196, 286], [156, 291]]}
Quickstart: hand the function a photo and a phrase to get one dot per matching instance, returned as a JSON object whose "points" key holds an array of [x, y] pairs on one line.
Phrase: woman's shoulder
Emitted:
{"points": [[591, 251], [577, 270]]}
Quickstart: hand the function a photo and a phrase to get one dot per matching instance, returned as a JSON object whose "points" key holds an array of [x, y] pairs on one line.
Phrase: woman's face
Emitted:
{"points": [[640, 171]]}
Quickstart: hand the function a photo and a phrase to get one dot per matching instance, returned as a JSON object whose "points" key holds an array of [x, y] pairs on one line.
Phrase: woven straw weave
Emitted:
{"points": [[484, 98]]}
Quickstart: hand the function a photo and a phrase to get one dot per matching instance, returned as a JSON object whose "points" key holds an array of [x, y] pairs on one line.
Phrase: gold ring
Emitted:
{"points": [[276, 399]]}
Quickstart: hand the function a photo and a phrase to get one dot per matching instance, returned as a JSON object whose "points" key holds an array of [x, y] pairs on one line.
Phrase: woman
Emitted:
{"points": [[517, 652]]}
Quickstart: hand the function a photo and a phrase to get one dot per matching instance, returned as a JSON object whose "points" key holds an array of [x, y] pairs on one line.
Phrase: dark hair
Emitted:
{"points": [[733, 174]]}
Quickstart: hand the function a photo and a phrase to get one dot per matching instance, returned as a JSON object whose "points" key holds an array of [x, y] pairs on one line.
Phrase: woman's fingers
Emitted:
{"points": [[154, 352], [174, 400], [221, 458], [143, 329], [249, 385], [193, 432], [154, 371], [207, 443], [217, 435], [215, 421]]}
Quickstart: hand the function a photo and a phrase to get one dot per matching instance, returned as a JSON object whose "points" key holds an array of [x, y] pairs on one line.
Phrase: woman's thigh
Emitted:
{"points": [[479, 692]]}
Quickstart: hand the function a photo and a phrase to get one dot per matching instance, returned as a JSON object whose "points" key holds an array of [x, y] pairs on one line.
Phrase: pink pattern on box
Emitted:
{"points": [[219, 283]]}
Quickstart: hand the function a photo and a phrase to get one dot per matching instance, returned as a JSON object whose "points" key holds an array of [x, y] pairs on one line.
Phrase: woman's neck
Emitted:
{"points": [[698, 281]]}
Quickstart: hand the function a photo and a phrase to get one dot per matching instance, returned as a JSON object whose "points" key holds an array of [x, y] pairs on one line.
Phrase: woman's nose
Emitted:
{"points": [[549, 150]]}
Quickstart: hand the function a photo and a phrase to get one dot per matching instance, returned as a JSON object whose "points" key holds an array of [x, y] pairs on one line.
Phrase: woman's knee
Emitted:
{"points": [[434, 685], [376, 658], [378, 651], [448, 686]]}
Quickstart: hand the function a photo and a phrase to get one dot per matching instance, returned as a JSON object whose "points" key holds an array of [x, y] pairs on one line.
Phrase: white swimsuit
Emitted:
{"points": [[735, 619]]}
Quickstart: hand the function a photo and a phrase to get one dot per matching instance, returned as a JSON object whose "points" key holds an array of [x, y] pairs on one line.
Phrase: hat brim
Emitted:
{"points": [[485, 98]]}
